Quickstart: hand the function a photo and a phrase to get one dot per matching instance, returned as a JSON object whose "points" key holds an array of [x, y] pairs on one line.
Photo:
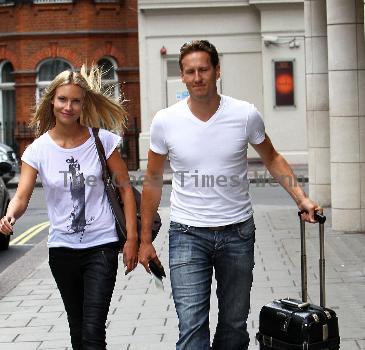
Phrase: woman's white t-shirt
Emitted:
{"points": [[208, 160], [78, 208]]}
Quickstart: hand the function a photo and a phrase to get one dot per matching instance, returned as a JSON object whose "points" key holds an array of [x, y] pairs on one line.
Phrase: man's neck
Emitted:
{"points": [[204, 109]]}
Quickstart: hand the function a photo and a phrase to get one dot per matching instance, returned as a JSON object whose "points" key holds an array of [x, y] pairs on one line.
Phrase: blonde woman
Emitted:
{"points": [[83, 244]]}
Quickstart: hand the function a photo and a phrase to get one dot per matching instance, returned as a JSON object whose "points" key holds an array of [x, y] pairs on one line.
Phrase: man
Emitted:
{"points": [[212, 226]]}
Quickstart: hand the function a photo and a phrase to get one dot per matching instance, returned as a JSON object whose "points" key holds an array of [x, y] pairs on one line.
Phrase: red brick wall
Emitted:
{"points": [[68, 32]]}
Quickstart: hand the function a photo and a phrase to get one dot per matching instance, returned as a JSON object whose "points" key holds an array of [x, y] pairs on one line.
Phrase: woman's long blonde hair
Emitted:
{"points": [[99, 110]]}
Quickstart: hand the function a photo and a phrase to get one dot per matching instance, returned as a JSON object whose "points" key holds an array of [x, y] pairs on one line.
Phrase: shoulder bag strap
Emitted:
{"points": [[101, 153]]}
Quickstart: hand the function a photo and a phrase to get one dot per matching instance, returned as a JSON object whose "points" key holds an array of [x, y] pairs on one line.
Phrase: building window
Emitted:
{"points": [[7, 3], [47, 71], [173, 68], [7, 103], [109, 79]]}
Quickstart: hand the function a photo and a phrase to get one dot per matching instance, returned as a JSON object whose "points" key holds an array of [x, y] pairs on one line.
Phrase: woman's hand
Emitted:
{"points": [[6, 225], [130, 254]]}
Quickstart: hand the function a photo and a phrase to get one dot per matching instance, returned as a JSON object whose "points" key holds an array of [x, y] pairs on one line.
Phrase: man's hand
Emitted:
{"points": [[309, 208], [6, 225], [147, 253], [130, 255]]}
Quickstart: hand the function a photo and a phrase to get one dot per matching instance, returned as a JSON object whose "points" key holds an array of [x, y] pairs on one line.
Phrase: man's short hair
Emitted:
{"points": [[199, 45]]}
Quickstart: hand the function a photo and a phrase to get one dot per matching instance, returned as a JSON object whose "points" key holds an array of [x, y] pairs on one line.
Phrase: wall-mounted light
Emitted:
{"points": [[163, 51], [270, 40], [294, 44], [273, 40]]}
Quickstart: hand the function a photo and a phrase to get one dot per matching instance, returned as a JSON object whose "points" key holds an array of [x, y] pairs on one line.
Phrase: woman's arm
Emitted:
{"points": [[19, 202], [151, 196], [119, 173]]}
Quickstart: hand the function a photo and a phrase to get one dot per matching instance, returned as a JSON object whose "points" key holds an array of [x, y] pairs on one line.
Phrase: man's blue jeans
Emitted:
{"points": [[194, 253]]}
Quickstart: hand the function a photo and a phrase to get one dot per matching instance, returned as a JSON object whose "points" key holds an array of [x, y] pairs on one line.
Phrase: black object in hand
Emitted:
{"points": [[317, 216], [159, 272]]}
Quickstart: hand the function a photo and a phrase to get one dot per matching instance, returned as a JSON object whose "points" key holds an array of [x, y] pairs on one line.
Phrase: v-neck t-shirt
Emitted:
{"points": [[78, 208], [209, 160]]}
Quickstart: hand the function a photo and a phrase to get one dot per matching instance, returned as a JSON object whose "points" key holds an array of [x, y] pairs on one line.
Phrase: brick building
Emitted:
{"points": [[40, 38]]}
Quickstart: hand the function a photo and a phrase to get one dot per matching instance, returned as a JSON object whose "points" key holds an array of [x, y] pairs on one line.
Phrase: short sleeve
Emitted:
{"points": [[109, 140], [157, 135], [255, 127], [30, 156]]}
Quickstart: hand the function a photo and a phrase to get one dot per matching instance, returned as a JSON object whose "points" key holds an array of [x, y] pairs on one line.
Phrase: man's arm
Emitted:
{"points": [[151, 196], [283, 173]]}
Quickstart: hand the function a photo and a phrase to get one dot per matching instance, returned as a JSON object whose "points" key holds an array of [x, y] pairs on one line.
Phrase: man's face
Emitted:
{"points": [[199, 75]]}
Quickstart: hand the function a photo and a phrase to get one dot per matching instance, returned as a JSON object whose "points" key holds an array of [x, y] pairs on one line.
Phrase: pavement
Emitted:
{"points": [[142, 317]]}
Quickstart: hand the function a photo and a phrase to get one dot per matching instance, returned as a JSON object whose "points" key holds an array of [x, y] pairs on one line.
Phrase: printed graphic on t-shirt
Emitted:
{"points": [[77, 190]]}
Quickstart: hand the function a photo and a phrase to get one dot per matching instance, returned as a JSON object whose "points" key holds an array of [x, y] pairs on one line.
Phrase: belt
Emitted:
{"points": [[222, 228]]}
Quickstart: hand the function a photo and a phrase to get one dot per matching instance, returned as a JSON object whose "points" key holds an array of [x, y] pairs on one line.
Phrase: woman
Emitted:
{"points": [[83, 244]]}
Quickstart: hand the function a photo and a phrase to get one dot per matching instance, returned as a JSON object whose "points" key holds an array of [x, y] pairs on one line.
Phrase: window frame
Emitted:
{"points": [[8, 86], [42, 84], [114, 82]]}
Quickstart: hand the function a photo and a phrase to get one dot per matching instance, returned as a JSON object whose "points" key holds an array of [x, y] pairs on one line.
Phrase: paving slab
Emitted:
{"points": [[143, 318]]}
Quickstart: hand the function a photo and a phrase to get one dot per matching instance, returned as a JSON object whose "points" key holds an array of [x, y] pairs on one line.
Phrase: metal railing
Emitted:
{"points": [[52, 1], [129, 148], [17, 2], [15, 132], [7, 2]]}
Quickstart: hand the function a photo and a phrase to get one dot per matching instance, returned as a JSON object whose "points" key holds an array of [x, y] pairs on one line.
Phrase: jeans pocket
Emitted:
{"points": [[110, 258], [176, 227], [246, 230], [61, 256]]}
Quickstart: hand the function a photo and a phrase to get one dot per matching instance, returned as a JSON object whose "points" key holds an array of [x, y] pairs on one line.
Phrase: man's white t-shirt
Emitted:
{"points": [[78, 208], [208, 160]]}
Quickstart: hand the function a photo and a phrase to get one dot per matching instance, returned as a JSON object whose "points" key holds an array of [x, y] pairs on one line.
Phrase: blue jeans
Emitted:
{"points": [[194, 253], [85, 279]]}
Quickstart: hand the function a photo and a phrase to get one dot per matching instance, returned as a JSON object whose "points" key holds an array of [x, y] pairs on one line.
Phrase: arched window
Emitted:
{"points": [[47, 71], [7, 103], [110, 77]]}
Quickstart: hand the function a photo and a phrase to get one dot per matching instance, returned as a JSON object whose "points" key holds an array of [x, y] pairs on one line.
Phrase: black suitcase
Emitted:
{"points": [[291, 324]]}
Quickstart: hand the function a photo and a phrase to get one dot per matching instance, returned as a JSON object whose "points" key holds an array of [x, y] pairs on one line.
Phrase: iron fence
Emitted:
{"points": [[130, 145], [14, 133]]}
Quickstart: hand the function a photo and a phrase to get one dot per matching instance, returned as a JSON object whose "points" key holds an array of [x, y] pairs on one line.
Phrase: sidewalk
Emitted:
{"points": [[143, 318]]}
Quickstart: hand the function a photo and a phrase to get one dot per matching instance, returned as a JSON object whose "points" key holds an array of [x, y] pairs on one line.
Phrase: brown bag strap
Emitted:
{"points": [[101, 153]]}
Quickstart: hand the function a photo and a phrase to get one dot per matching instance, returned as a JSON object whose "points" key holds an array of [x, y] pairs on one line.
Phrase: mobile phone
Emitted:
{"points": [[158, 273]]}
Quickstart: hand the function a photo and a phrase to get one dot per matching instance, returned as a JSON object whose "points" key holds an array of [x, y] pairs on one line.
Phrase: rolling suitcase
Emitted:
{"points": [[291, 324]]}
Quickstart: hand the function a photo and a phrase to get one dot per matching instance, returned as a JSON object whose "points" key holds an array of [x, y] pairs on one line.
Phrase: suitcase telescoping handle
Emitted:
{"points": [[321, 220]]}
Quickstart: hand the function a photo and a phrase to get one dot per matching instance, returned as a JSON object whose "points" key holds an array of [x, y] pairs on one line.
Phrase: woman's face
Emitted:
{"points": [[67, 104]]}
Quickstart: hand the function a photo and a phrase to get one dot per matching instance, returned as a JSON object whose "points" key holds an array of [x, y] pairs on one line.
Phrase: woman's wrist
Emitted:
{"points": [[132, 237]]}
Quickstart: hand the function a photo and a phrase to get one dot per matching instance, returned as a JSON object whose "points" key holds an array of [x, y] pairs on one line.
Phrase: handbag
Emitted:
{"points": [[115, 201]]}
